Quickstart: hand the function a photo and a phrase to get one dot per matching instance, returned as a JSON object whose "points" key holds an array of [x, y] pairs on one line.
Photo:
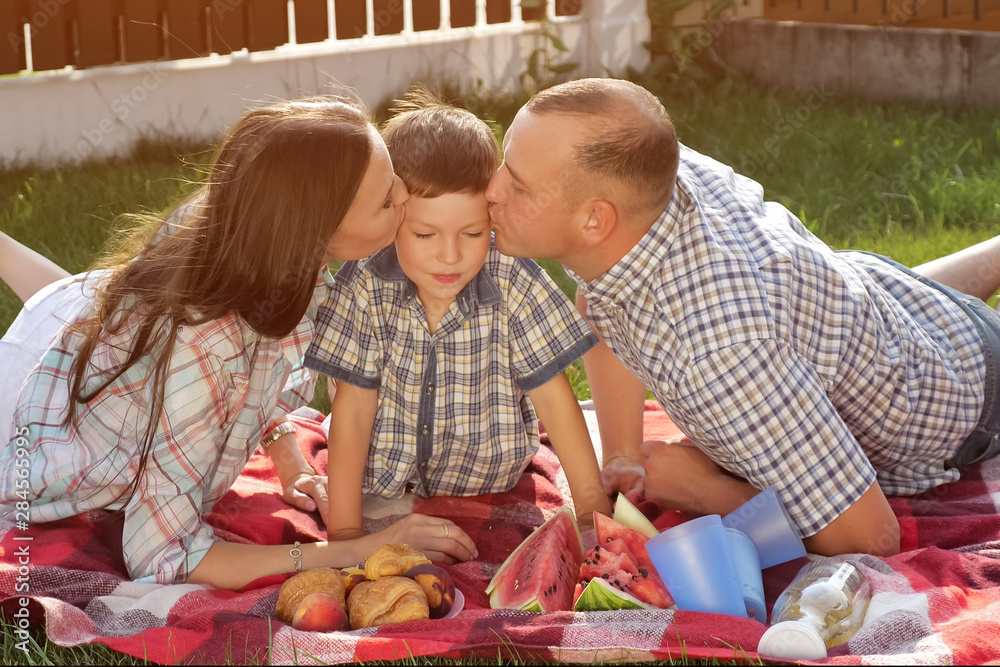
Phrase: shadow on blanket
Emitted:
{"points": [[938, 602]]}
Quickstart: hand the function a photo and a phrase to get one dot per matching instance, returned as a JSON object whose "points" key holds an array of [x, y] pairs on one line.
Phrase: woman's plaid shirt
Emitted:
{"points": [[225, 384]]}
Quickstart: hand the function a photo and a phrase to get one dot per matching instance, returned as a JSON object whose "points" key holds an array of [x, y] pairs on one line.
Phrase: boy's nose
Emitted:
{"points": [[449, 252]]}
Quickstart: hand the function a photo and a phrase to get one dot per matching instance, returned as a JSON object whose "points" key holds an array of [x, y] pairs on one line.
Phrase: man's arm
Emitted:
{"points": [[681, 476], [868, 526], [618, 400]]}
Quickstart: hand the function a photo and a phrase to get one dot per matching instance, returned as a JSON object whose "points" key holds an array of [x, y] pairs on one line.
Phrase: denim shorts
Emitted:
{"points": [[984, 441]]}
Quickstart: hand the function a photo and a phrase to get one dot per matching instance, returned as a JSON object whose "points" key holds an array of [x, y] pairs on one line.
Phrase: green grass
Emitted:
{"points": [[910, 181]]}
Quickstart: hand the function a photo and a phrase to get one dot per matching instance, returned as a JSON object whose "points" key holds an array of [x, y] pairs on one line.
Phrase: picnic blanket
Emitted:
{"points": [[938, 602]]}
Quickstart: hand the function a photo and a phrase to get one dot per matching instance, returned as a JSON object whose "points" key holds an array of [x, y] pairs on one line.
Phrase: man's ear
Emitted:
{"points": [[601, 222]]}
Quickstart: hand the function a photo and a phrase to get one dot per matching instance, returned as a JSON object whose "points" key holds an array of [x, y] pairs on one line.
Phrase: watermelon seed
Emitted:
{"points": [[597, 547], [586, 561], [606, 575], [618, 583], [608, 540], [643, 572]]}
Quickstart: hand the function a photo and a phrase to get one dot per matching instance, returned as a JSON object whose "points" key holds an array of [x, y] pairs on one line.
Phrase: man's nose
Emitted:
{"points": [[493, 188]]}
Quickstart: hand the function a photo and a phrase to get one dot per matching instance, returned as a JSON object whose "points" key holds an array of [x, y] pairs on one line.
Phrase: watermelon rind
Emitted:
{"points": [[571, 560], [599, 595], [629, 515], [528, 539]]}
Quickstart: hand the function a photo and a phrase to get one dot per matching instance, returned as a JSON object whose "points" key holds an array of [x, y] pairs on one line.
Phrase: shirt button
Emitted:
{"points": [[425, 430], [429, 388]]}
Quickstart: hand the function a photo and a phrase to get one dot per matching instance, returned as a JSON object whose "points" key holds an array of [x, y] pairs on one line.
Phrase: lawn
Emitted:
{"points": [[905, 180]]}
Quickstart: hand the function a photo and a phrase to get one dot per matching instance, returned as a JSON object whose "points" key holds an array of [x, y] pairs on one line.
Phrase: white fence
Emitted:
{"points": [[72, 115]]}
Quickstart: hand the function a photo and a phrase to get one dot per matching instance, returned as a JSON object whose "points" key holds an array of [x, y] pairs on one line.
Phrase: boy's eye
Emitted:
{"points": [[475, 235], [388, 203], [421, 236]]}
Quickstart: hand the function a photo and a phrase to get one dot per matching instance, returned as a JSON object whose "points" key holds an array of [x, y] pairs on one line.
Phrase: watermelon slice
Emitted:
{"points": [[608, 560], [541, 573], [629, 516], [599, 595], [648, 587]]}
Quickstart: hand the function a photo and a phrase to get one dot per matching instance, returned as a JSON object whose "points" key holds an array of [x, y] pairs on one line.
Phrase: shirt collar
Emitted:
{"points": [[620, 280], [480, 291], [293, 346]]}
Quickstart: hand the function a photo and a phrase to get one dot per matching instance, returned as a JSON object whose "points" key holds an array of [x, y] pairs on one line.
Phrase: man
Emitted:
{"points": [[834, 377]]}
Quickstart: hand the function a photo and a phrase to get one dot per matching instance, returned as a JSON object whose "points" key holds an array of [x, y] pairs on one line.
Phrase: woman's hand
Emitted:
{"points": [[439, 539], [308, 492]]}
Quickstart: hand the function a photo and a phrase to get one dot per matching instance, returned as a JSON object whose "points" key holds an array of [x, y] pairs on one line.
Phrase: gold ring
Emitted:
{"points": [[446, 531]]}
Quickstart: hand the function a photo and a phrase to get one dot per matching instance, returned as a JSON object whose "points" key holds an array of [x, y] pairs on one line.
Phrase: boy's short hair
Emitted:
{"points": [[439, 149]]}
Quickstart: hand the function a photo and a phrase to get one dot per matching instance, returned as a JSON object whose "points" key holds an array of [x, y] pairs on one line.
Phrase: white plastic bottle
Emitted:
{"points": [[823, 606]]}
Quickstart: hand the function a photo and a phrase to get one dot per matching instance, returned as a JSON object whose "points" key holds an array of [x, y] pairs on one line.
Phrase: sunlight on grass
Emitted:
{"points": [[905, 180]]}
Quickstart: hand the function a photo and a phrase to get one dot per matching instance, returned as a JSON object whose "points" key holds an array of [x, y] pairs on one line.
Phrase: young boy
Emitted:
{"points": [[442, 348]]}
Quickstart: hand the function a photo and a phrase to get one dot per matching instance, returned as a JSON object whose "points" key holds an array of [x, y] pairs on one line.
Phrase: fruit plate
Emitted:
{"points": [[456, 606]]}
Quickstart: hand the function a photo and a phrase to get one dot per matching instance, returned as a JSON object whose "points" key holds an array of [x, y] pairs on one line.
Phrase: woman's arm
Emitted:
{"points": [[352, 415], [301, 486], [559, 411], [233, 566]]}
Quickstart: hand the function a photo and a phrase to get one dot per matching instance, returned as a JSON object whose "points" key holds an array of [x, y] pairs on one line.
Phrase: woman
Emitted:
{"points": [[183, 352]]}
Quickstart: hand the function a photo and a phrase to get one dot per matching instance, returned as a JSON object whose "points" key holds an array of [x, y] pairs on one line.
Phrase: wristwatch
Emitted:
{"points": [[284, 428]]}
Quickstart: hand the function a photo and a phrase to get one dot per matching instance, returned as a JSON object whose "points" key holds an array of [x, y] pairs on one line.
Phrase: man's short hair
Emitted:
{"points": [[439, 149], [633, 140]]}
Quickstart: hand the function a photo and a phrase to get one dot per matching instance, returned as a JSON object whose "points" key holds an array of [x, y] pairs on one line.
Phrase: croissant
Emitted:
{"points": [[392, 559], [387, 600], [318, 580]]}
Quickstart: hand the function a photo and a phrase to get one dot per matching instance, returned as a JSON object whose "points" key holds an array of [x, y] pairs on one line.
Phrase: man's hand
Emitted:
{"points": [[679, 476], [308, 492], [622, 474]]}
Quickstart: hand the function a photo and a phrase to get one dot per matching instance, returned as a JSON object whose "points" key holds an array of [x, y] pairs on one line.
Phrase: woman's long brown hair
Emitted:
{"points": [[250, 242]]}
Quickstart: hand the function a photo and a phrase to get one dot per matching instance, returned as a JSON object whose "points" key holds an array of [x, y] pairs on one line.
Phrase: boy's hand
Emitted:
{"points": [[439, 539], [308, 492]]}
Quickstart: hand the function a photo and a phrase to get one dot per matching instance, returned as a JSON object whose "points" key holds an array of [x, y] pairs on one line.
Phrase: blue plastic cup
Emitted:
{"points": [[695, 561], [748, 570], [764, 519]]}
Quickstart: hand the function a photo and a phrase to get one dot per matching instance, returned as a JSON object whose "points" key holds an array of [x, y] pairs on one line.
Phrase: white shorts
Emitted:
{"points": [[41, 319]]}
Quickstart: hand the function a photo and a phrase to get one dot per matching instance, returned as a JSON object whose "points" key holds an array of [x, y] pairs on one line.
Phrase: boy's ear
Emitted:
{"points": [[602, 219]]}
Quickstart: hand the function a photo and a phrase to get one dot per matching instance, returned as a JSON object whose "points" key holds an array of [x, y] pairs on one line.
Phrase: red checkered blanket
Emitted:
{"points": [[937, 602]]}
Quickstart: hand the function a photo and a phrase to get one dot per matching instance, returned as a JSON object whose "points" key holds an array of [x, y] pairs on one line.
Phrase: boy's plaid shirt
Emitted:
{"points": [[453, 416]]}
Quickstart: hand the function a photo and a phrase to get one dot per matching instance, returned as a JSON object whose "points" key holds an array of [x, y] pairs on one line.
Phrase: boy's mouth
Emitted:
{"points": [[447, 278]]}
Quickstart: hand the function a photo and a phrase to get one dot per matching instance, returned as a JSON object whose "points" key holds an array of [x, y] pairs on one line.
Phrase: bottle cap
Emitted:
{"points": [[794, 640]]}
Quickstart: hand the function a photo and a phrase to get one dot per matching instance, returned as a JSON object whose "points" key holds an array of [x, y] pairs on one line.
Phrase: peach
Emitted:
{"points": [[352, 577], [437, 585], [319, 612]]}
